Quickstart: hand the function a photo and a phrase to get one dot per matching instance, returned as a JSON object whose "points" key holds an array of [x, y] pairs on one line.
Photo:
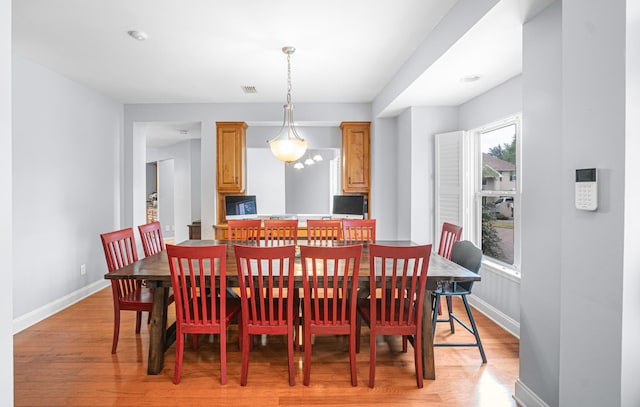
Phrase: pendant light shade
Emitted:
{"points": [[288, 146]]}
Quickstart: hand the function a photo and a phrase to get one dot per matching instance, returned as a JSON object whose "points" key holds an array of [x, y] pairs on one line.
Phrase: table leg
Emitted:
{"points": [[428, 365], [158, 328]]}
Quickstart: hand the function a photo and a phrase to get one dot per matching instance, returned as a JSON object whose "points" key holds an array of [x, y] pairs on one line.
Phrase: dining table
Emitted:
{"points": [[154, 272]]}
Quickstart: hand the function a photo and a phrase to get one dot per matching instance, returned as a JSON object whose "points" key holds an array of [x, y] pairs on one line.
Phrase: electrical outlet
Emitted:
{"points": [[83, 269], [167, 228]]}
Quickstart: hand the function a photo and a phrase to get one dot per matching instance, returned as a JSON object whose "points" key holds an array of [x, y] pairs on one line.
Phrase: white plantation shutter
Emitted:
{"points": [[448, 181]]}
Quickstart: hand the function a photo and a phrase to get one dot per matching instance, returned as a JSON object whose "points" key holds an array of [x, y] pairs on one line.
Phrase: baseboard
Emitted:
{"points": [[525, 397], [37, 315], [507, 323]]}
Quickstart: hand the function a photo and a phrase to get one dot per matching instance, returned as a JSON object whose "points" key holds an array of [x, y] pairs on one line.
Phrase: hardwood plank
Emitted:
{"points": [[66, 360]]}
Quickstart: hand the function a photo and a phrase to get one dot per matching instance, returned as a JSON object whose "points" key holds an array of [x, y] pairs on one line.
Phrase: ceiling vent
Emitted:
{"points": [[249, 89]]}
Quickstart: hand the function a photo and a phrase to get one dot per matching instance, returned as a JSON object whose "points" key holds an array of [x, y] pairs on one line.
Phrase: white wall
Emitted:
{"points": [[266, 180], [178, 186], [196, 177], [6, 211], [66, 174], [593, 135], [167, 196], [308, 189], [630, 392], [383, 202], [541, 215], [426, 122], [500, 102], [404, 175]]}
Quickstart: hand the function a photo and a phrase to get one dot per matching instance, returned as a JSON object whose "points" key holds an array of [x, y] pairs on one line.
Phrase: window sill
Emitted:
{"points": [[507, 272]]}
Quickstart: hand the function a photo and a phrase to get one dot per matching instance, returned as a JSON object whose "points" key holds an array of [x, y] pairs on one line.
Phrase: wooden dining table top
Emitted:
{"points": [[155, 268]]}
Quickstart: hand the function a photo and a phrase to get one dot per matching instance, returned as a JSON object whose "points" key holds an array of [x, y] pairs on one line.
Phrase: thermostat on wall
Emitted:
{"points": [[587, 189]]}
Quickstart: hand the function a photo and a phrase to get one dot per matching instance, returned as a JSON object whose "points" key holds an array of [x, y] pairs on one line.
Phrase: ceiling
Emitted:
{"points": [[205, 51]]}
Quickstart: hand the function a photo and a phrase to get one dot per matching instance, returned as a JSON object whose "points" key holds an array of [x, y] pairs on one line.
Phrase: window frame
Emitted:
{"points": [[474, 192]]}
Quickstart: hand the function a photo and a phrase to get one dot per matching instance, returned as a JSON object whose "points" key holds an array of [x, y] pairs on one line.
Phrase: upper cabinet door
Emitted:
{"points": [[355, 156], [231, 156]]}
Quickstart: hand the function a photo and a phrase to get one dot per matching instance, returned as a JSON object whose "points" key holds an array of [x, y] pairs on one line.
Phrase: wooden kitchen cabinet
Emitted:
{"points": [[231, 142], [355, 157]]}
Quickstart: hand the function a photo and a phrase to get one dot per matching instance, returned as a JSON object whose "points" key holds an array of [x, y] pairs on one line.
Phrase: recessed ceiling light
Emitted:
{"points": [[470, 78], [138, 35]]}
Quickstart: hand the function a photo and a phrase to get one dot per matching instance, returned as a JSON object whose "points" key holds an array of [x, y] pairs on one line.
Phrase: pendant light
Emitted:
{"points": [[288, 146]]}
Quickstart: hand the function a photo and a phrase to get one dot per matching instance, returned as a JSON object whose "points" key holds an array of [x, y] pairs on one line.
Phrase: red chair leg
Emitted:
{"points": [[246, 348], [179, 355], [307, 356], [358, 326], [116, 330], [417, 354], [138, 321], [372, 358], [223, 356], [292, 377], [352, 358]]}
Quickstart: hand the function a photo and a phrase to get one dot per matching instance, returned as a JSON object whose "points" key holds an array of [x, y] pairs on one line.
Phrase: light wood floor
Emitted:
{"points": [[66, 360]]}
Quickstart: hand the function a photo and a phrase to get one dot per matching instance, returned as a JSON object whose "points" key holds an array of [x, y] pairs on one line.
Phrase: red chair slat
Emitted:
{"points": [[281, 231], [151, 235], [359, 230], [244, 230], [450, 234], [323, 231]]}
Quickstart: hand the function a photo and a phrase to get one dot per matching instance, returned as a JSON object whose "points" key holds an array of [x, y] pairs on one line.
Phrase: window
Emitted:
{"points": [[477, 186], [497, 192]]}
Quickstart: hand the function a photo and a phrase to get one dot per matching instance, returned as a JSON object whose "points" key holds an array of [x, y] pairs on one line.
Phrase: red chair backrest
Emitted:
{"points": [[330, 273], [119, 251], [281, 232], [323, 231], [402, 275], [359, 230], [450, 234], [151, 235], [191, 270], [244, 230], [265, 274]]}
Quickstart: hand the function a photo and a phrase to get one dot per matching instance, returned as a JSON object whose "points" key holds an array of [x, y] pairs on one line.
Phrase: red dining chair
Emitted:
{"points": [[151, 235], [323, 231], [244, 230], [265, 278], [402, 275], [128, 295], [359, 230], [192, 269], [330, 284], [449, 235], [281, 231]]}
